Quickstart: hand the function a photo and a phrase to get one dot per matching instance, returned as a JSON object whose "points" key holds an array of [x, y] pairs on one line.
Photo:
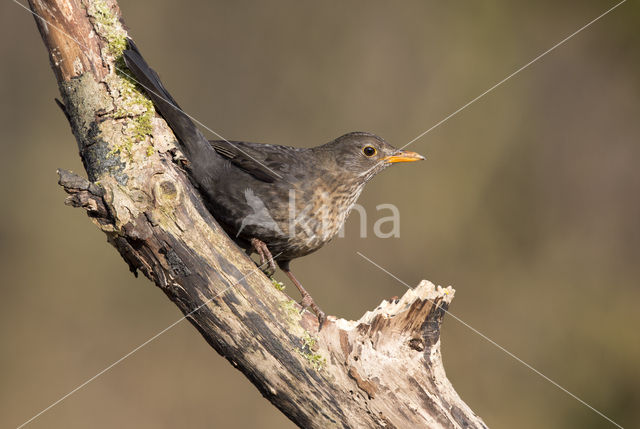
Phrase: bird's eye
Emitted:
{"points": [[369, 150]]}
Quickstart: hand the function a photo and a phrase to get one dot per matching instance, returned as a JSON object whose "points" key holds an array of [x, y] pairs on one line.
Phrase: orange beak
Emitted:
{"points": [[403, 156]]}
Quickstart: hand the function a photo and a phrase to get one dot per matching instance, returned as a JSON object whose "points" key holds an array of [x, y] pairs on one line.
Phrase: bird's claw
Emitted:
{"points": [[267, 264], [266, 269], [308, 302]]}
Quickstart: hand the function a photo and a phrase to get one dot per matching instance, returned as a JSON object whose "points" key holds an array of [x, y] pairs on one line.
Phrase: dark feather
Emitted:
{"points": [[265, 162]]}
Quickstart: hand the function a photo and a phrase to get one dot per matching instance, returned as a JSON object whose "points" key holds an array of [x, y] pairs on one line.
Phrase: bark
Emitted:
{"points": [[384, 370]]}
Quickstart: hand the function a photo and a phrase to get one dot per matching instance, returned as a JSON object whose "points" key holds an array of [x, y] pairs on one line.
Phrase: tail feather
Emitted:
{"points": [[192, 142]]}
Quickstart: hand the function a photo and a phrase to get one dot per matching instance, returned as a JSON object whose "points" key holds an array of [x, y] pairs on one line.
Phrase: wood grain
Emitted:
{"points": [[384, 370]]}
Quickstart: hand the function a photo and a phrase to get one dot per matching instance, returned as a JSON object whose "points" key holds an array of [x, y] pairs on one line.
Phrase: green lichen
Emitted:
{"points": [[290, 309], [137, 126], [307, 351], [278, 285], [133, 105], [125, 148], [108, 26], [136, 107], [309, 344], [141, 126]]}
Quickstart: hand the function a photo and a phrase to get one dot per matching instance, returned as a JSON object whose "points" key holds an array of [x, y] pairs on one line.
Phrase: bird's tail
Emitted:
{"points": [[192, 142]]}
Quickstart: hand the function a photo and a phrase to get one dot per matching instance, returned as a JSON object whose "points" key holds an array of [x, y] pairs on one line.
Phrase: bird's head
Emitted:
{"points": [[362, 155]]}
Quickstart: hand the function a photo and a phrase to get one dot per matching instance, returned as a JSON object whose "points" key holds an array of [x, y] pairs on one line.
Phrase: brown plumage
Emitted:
{"points": [[279, 201]]}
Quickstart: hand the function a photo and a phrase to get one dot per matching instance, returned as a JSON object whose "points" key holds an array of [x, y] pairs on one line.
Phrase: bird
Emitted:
{"points": [[278, 201], [260, 215]]}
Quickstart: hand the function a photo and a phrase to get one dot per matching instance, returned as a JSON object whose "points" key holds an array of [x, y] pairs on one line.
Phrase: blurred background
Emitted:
{"points": [[528, 204]]}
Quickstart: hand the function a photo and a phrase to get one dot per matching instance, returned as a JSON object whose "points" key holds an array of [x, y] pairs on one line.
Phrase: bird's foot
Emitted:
{"points": [[308, 302], [267, 264]]}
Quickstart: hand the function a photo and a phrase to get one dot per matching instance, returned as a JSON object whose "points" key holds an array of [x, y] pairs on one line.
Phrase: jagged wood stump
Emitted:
{"points": [[384, 370]]}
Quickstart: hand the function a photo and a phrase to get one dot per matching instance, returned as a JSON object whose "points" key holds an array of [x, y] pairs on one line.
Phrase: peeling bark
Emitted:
{"points": [[384, 370]]}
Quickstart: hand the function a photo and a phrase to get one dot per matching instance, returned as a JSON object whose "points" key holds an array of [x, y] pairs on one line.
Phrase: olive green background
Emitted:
{"points": [[528, 203]]}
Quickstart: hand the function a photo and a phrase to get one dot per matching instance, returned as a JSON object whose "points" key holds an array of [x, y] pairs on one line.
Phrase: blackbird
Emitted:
{"points": [[280, 202]]}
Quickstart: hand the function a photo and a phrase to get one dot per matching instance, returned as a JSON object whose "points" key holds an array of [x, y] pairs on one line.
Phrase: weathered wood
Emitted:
{"points": [[383, 370]]}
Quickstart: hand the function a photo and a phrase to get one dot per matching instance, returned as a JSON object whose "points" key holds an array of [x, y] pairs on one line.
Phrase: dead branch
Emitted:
{"points": [[384, 370]]}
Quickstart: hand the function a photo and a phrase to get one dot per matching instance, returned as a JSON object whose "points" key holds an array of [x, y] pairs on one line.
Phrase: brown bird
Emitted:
{"points": [[278, 201]]}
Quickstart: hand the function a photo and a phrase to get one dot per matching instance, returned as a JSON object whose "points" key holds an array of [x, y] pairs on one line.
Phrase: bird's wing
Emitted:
{"points": [[265, 162], [192, 142]]}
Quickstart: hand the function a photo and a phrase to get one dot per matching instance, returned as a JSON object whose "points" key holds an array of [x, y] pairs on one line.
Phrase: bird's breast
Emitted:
{"points": [[293, 220], [317, 214]]}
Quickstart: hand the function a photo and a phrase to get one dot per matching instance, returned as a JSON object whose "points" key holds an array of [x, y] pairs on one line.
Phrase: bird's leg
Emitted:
{"points": [[265, 257], [307, 301]]}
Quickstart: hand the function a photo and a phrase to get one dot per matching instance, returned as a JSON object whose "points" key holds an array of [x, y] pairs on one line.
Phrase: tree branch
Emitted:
{"points": [[384, 370]]}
